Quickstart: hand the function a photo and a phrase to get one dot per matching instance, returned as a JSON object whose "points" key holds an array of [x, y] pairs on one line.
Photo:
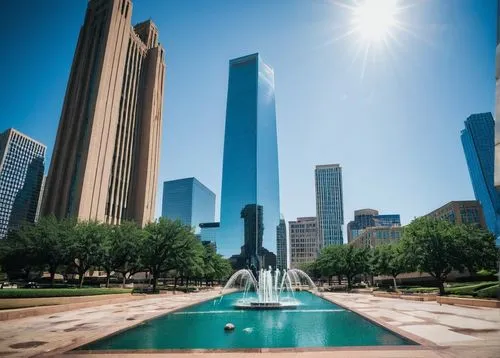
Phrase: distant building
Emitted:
{"points": [[304, 241], [106, 154], [387, 220], [189, 201], [478, 140], [374, 236], [208, 232], [460, 212], [365, 218], [281, 245], [21, 174], [329, 204]]}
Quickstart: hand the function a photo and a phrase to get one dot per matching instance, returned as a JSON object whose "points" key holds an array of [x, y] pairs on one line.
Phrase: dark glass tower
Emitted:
{"points": [[478, 140], [250, 176]]}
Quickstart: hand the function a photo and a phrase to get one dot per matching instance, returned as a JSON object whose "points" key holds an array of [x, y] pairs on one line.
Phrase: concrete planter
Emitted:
{"points": [[386, 294], [420, 298], [468, 302]]}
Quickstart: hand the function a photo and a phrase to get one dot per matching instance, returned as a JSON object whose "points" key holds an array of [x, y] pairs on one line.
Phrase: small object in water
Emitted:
{"points": [[229, 327], [248, 330]]}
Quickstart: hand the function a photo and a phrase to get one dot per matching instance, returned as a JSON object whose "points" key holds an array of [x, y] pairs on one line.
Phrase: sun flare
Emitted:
{"points": [[374, 19]]}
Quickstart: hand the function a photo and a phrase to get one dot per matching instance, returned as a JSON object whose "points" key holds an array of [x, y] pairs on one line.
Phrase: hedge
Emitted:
{"points": [[469, 290], [57, 292], [489, 292]]}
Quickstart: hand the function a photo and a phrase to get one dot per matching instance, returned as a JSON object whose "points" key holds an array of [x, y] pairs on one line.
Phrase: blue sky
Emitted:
{"points": [[394, 127]]}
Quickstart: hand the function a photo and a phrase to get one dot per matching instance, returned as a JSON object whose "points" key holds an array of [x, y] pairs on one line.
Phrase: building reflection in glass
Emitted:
{"points": [[250, 181]]}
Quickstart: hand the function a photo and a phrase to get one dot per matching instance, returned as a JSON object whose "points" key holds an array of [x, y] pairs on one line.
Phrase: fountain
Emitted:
{"points": [[272, 290]]}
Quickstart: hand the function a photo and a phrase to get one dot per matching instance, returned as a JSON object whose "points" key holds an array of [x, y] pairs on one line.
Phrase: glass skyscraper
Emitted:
{"points": [[478, 140], [189, 201], [250, 206], [21, 175], [329, 204], [281, 245]]}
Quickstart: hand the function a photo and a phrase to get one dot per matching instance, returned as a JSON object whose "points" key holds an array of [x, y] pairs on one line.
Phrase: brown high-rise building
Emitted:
{"points": [[106, 155]]}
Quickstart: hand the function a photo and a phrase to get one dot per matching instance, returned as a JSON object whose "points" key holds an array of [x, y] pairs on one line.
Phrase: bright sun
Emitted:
{"points": [[374, 19]]}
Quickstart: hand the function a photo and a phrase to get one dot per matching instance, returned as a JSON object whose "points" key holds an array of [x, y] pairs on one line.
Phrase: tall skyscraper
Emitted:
{"points": [[281, 245], [304, 241], [189, 201], [21, 174], [497, 118], [329, 204], [478, 140], [106, 154], [250, 176]]}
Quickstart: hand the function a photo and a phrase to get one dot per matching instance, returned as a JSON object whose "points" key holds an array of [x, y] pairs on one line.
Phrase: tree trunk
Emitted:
{"points": [[348, 282], [339, 278], [155, 280], [82, 277], [175, 283], [329, 281], [52, 274], [441, 286], [395, 284], [108, 274], [124, 282]]}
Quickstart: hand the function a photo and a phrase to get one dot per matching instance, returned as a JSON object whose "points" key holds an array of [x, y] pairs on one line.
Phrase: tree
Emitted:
{"points": [[163, 242], [431, 245], [52, 240], [477, 247], [222, 267], [85, 248], [126, 240], [19, 254], [355, 262], [390, 260], [330, 262], [189, 257]]}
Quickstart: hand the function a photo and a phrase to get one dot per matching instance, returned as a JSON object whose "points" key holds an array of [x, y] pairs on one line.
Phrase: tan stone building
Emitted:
{"points": [[461, 212], [106, 155], [304, 241], [379, 235]]}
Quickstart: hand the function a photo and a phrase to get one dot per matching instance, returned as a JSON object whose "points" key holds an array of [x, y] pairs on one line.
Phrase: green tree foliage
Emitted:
{"points": [[343, 260], [390, 260], [164, 247], [438, 247], [86, 246]]}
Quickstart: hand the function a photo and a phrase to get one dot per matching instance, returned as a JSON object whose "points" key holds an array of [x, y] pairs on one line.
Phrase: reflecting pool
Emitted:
{"points": [[314, 323]]}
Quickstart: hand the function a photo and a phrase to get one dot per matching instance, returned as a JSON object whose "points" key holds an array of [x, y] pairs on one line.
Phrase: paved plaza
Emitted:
{"points": [[444, 330]]}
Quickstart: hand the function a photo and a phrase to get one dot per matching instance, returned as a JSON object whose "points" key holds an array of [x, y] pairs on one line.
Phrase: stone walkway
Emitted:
{"points": [[464, 331], [54, 333], [447, 331]]}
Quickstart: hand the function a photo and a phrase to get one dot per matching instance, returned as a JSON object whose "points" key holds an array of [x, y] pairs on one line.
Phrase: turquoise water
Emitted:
{"points": [[316, 323]]}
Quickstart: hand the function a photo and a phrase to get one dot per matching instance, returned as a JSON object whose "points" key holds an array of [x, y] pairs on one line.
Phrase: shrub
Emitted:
{"points": [[469, 290], [58, 292], [489, 292]]}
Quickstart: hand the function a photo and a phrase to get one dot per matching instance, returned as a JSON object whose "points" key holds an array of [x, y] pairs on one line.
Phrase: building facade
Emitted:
{"points": [[461, 212], [497, 108], [208, 232], [189, 201], [363, 218], [250, 178], [387, 220], [304, 241], [281, 245], [478, 140], [374, 236], [106, 155], [329, 204], [21, 175]]}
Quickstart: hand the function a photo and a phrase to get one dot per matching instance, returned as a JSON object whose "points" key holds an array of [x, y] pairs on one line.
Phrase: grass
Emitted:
{"points": [[420, 289], [58, 292]]}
